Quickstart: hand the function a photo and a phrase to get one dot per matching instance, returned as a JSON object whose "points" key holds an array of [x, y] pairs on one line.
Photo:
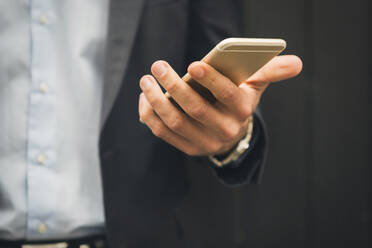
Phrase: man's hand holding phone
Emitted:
{"points": [[205, 128]]}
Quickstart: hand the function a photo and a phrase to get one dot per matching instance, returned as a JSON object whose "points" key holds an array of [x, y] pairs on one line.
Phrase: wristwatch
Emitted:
{"points": [[242, 146]]}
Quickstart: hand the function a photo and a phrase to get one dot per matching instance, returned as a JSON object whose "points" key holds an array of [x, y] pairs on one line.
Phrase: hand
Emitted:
{"points": [[203, 128]]}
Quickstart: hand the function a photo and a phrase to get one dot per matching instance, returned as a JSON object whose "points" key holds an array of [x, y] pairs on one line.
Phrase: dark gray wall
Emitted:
{"points": [[319, 171], [316, 190]]}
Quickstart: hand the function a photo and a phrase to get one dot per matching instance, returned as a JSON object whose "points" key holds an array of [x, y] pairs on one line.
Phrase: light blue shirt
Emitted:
{"points": [[51, 76]]}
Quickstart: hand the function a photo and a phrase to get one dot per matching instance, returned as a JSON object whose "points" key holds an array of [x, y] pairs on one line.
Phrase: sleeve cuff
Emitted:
{"points": [[249, 166], [238, 151]]}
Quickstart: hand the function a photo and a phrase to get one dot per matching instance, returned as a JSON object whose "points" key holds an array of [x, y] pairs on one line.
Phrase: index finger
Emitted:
{"points": [[190, 101], [220, 86]]}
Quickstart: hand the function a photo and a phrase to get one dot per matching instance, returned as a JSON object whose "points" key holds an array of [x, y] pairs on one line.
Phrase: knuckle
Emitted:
{"points": [[142, 118], [227, 94], [141, 113], [159, 131], [145, 115], [198, 111], [230, 132], [215, 147], [245, 111], [172, 87], [212, 76], [155, 102], [176, 124], [191, 151]]}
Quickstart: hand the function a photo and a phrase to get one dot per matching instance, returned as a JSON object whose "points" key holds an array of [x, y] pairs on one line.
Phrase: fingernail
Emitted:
{"points": [[197, 72], [159, 69], [145, 83]]}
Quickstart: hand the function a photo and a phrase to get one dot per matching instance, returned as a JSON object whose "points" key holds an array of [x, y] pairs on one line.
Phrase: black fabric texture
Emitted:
{"points": [[145, 180]]}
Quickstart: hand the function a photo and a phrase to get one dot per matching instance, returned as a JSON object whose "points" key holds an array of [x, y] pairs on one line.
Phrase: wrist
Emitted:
{"points": [[238, 149]]}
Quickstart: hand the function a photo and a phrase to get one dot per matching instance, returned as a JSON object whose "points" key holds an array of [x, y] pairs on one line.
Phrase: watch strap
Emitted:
{"points": [[242, 146]]}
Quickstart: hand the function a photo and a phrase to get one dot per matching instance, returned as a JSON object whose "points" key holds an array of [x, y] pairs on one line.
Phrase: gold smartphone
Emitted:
{"points": [[238, 59]]}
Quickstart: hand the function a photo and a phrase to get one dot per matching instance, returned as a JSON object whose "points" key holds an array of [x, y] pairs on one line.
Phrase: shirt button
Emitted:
{"points": [[41, 159], [44, 88], [43, 20], [42, 228]]}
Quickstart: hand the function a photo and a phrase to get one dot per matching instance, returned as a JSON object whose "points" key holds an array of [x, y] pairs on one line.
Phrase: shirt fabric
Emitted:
{"points": [[51, 78]]}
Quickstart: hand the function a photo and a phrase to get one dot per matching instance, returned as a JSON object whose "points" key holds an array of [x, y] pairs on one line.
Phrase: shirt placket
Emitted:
{"points": [[41, 156]]}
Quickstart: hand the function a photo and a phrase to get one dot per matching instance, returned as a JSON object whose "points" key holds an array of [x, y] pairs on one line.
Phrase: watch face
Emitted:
{"points": [[242, 147]]}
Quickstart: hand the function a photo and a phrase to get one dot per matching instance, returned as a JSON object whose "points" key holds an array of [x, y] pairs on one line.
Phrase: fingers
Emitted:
{"points": [[190, 145], [204, 128], [190, 101], [225, 91], [223, 123], [159, 129], [279, 68], [174, 119]]}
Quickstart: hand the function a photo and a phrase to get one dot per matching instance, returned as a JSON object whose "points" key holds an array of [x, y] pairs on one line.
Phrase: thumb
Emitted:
{"points": [[278, 69]]}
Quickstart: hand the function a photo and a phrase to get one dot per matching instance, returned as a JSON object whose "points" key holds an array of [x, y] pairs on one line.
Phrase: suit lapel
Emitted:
{"points": [[123, 23]]}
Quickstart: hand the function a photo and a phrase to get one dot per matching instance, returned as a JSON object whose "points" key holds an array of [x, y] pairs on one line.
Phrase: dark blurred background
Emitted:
{"points": [[316, 190]]}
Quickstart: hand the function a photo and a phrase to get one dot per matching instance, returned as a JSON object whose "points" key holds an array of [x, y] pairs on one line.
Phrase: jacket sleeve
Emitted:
{"points": [[211, 21], [250, 166]]}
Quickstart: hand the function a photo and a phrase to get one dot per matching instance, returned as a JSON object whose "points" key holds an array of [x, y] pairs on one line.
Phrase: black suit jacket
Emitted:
{"points": [[145, 179]]}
